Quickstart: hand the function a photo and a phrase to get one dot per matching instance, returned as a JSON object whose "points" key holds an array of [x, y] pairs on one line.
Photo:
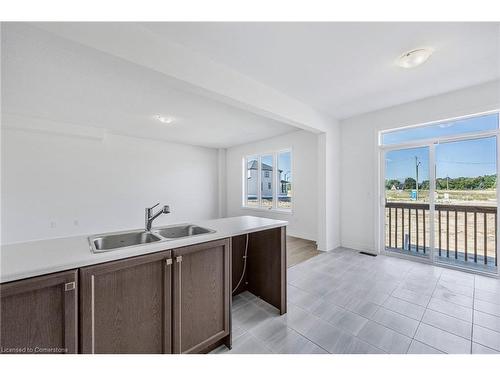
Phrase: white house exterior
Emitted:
{"points": [[266, 182]]}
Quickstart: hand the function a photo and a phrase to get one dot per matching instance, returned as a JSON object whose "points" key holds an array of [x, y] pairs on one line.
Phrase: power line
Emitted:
{"points": [[466, 162], [407, 160]]}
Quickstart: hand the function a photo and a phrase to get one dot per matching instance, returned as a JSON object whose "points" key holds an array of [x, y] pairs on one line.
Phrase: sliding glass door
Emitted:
{"points": [[439, 183], [406, 201], [440, 202], [466, 203]]}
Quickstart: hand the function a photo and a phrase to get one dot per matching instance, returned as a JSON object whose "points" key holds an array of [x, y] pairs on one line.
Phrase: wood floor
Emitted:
{"points": [[299, 250]]}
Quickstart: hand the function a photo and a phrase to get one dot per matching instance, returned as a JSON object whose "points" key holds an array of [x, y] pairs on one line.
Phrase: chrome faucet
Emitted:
{"points": [[149, 217]]}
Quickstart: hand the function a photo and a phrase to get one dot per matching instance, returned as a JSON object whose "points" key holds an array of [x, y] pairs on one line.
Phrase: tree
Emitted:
{"points": [[467, 183], [409, 183], [424, 185], [390, 183]]}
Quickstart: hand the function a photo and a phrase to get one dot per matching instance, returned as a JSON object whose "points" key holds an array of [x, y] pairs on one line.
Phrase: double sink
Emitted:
{"points": [[115, 241]]}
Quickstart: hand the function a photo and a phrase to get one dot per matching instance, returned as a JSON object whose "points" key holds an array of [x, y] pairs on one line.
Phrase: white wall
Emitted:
{"points": [[329, 161], [303, 221], [222, 181], [57, 185], [50, 182], [359, 170]]}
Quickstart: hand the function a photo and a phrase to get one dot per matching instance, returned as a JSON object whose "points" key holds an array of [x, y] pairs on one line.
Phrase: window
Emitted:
{"points": [[268, 181], [266, 193], [442, 129], [440, 185], [285, 180], [251, 182]]}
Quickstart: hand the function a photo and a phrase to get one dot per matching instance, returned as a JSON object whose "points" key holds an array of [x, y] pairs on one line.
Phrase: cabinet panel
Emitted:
{"points": [[39, 315], [126, 306], [266, 273], [201, 285]]}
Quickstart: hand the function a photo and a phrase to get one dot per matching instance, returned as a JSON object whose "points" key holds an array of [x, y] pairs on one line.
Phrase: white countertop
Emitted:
{"points": [[22, 260]]}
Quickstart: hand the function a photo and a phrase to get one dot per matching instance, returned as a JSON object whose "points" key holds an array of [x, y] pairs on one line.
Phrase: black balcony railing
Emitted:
{"points": [[463, 233]]}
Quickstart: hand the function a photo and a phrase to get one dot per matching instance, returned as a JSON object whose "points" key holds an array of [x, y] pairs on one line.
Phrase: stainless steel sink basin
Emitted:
{"points": [[108, 242], [113, 241], [179, 231]]}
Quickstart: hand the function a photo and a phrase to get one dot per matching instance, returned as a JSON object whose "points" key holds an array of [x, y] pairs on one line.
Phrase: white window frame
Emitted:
{"points": [[275, 184]]}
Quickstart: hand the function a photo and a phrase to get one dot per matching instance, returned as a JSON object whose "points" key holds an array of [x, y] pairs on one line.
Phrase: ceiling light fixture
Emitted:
{"points": [[164, 119], [414, 58]]}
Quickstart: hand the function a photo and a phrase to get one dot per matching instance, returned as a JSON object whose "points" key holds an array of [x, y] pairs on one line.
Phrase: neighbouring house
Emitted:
{"points": [[266, 182]]}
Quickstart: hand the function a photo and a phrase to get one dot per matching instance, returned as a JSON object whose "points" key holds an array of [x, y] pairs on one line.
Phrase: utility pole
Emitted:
{"points": [[417, 164]]}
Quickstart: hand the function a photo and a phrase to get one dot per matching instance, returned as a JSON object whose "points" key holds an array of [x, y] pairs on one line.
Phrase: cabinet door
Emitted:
{"points": [[39, 314], [201, 295], [126, 305]]}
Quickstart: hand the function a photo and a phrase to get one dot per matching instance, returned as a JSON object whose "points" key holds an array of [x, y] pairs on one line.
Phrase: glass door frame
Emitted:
{"points": [[431, 144], [383, 152]]}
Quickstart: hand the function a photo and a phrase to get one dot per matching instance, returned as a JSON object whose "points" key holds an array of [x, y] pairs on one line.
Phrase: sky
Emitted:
{"points": [[468, 125], [284, 163], [454, 159]]}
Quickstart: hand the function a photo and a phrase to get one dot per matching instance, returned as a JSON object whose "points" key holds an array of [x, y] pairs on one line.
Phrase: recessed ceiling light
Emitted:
{"points": [[414, 58], [165, 119]]}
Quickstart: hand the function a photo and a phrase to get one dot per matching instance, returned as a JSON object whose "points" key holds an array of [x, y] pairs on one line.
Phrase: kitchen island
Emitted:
{"points": [[164, 297]]}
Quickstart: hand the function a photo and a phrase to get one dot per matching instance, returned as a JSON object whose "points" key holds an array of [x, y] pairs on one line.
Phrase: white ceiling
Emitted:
{"points": [[48, 77], [346, 69], [342, 69]]}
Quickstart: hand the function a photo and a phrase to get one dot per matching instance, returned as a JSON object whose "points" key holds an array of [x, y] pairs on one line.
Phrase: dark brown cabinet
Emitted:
{"points": [[201, 296], [39, 315], [265, 274], [126, 305], [173, 301]]}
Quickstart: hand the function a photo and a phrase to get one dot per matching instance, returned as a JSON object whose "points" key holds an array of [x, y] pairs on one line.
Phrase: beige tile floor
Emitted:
{"points": [[345, 302]]}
